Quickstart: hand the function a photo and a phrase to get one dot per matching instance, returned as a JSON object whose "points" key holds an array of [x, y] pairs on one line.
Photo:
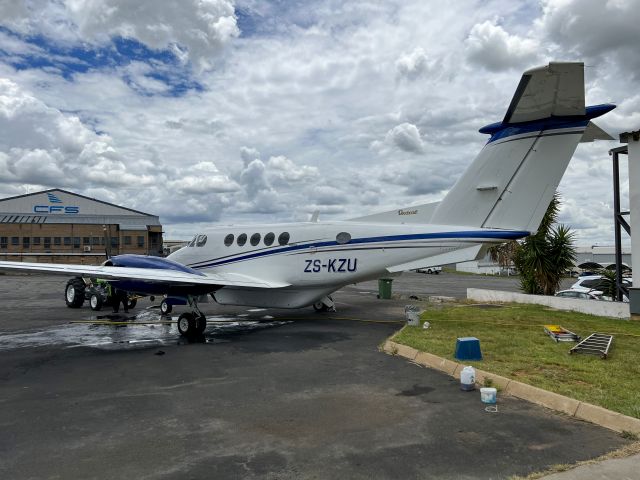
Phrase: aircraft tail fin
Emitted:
{"points": [[510, 183]]}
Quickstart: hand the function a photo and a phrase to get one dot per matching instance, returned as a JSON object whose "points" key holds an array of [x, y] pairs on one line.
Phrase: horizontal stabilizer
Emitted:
{"points": [[594, 132], [456, 256]]}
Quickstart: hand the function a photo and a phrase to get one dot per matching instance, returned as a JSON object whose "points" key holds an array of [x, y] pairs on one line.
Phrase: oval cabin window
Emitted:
{"points": [[343, 237], [269, 239]]}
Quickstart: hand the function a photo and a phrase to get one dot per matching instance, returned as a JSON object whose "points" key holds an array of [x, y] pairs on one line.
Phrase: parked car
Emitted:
{"points": [[592, 295], [429, 270], [596, 282]]}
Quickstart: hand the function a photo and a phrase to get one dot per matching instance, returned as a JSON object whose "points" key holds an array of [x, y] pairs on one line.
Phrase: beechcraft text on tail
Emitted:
{"points": [[502, 196]]}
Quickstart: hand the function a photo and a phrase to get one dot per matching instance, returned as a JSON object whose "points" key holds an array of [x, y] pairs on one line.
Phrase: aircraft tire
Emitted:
{"points": [[165, 307], [187, 325], [74, 293], [319, 307], [95, 302]]}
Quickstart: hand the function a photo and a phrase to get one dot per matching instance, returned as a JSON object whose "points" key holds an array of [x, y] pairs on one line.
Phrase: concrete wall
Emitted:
{"points": [[592, 307]]}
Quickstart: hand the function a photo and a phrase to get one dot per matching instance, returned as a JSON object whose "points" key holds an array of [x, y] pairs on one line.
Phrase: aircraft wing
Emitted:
{"points": [[149, 275], [553, 90]]}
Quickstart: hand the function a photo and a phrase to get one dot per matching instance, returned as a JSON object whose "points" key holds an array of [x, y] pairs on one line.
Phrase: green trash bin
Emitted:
{"points": [[384, 288]]}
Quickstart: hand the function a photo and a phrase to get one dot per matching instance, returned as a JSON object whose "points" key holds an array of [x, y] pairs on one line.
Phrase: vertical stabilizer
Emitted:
{"points": [[512, 180]]}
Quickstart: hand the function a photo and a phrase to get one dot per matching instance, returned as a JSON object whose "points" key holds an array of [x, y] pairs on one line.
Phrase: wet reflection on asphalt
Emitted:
{"points": [[142, 329]]}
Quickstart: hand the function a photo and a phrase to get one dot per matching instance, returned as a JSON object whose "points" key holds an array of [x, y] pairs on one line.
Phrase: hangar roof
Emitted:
{"points": [[61, 206]]}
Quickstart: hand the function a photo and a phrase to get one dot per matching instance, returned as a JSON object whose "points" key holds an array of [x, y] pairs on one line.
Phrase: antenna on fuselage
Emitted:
{"points": [[315, 216]]}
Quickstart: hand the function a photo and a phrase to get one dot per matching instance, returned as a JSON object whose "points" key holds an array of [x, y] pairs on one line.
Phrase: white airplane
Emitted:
{"points": [[502, 196]]}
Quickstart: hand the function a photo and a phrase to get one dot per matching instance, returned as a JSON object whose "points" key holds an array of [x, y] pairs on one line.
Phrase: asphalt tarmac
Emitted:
{"points": [[265, 394]]}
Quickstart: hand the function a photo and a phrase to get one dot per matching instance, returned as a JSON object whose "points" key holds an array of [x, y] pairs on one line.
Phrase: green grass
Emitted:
{"points": [[514, 345]]}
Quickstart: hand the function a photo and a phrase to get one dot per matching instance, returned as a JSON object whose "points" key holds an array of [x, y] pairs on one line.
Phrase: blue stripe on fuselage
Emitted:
{"points": [[479, 234]]}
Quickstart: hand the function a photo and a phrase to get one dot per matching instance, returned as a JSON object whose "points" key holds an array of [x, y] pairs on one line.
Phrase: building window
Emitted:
{"points": [[242, 239], [269, 238], [228, 240], [127, 240], [67, 241], [114, 241], [102, 241], [255, 239], [36, 240], [4, 241], [86, 240], [76, 242], [25, 242], [47, 242], [141, 241], [57, 241], [95, 240], [283, 238], [15, 241]]}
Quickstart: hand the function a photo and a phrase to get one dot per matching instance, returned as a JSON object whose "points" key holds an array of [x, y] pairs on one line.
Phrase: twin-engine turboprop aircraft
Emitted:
{"points": [[502, 196]]}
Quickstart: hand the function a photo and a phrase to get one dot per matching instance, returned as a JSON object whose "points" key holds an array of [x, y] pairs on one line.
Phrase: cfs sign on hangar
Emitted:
{"points": [[55, 207]]}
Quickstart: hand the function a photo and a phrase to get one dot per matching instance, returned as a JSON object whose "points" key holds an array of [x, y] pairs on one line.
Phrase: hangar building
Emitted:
{"points": [[58, 226]]}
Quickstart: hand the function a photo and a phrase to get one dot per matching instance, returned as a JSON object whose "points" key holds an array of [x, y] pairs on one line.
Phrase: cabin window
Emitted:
{"points": [[228, 240], [202, 239], [255, 239], [283, 238], [343, 237], [269, 238], [242, 239]]}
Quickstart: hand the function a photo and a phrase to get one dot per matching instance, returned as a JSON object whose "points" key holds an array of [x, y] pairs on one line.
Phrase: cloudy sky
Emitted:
{"points": [[207, 111]]}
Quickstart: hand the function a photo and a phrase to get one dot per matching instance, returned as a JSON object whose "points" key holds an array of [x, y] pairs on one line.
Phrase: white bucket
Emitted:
{"points": [[488, 395], [468, 378]]}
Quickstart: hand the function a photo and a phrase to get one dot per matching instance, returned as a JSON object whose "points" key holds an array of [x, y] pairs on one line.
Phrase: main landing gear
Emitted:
{"points": [[194, 323], [325, 304]]}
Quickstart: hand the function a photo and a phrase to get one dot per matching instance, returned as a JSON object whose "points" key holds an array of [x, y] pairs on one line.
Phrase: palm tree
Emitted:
{"points": [[542, 258]]}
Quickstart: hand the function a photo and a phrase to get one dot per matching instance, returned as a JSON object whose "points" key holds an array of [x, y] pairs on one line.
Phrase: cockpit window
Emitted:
{"points": [[202, 239], [283, 238], [242, 239], [255, 239], [228, 240], [269, 238], [192, 242]]}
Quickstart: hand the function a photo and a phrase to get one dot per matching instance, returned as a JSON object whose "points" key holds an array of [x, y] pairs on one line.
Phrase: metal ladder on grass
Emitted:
{"points": [[594, 344]]}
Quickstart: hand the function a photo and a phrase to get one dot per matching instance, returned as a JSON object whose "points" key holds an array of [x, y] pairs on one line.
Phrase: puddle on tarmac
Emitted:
{"points": [[142, 330]]}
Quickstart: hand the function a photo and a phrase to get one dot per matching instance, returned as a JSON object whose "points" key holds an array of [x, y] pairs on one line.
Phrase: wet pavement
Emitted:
{"points": [[263, 394]]}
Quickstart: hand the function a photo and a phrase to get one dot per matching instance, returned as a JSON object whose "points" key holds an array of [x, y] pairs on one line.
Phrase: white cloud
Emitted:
{"points": [[492, 47], [405, 136], [193, 29], [413, 65]]}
